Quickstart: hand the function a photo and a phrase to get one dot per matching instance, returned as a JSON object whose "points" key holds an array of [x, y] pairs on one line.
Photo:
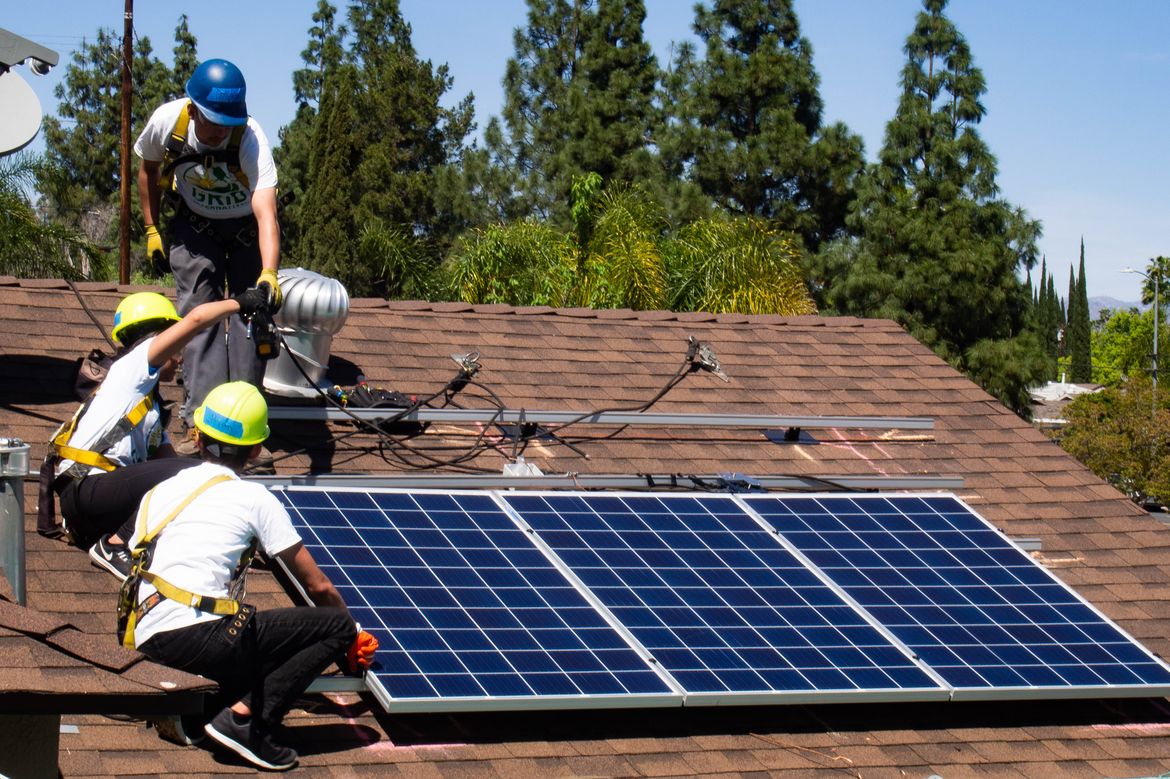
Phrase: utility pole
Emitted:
{"points": [[124, 214]]}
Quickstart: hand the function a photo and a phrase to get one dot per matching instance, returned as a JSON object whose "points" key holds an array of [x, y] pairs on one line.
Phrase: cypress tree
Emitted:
{"points": [[1079, 328]]}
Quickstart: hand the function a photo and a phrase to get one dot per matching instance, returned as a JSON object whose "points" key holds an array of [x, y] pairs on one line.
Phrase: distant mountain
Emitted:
{"points": [[1113, 304]]}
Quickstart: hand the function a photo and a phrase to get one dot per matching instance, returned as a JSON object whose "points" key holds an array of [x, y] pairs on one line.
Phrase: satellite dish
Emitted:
{"points": [[21, 118]]}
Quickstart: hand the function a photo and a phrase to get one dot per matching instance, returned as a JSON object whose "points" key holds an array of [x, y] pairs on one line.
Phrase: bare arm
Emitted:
{"points": [[148, 191], [268, 229], [300, 563], [170, 342]]}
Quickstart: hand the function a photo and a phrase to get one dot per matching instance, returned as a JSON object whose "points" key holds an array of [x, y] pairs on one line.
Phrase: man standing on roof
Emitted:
{"points": [[193, 538], [116, 446], [213, 164]]}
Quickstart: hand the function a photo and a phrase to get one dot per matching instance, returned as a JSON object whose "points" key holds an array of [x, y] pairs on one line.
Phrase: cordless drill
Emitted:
{"points": [[262, 330]]}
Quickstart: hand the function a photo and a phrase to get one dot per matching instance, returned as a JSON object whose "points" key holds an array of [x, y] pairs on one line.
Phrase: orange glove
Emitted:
{"points": [[361, 653]]}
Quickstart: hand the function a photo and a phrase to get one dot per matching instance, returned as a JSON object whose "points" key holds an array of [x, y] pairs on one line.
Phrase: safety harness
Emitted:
{"points": [[130, 612], [84, 459], [175, 152]]}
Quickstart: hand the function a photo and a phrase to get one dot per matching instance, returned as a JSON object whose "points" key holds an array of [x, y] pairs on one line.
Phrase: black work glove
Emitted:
{"points": [[252, 301]]}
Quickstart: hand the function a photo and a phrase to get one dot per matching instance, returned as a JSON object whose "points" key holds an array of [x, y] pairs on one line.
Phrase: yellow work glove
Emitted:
{"points": [[155, 251], [268, 278]]}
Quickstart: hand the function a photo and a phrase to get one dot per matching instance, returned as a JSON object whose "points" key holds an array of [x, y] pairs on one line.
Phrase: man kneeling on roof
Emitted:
{"points": [[116, 446], [194, 536]]}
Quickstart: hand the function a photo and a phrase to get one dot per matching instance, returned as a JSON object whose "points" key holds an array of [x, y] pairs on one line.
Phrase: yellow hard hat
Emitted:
{"points": [[234, 413], [143, 308]]}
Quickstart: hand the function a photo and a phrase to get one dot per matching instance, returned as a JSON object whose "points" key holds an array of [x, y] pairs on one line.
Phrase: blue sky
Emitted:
{"points": [[1077, 111]]}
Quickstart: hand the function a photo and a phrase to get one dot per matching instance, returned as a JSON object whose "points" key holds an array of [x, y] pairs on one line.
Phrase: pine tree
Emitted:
{"points": [[379, 143], [611, 101], [537, 80], [934, 248], [328, 229], [748, 121], [292, 155]]}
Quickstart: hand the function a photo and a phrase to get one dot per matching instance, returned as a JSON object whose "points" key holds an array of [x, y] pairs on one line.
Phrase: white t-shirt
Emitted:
{"points": [[211, 192], [130, 380], [201, 547]]}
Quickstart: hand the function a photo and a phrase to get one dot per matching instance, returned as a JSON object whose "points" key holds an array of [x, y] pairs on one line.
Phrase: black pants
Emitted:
{"points": [[267, 665], [107, 502]]}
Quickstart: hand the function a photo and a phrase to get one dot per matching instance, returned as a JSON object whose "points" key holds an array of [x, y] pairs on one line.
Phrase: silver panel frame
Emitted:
{"points": [[549, 417]]}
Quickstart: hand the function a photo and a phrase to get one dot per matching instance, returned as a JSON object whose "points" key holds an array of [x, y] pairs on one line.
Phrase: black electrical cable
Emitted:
{"points": [[93, 318], [448, 392]]}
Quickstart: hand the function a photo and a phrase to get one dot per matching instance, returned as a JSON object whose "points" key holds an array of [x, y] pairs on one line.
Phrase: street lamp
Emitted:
{"points": [[1156, 279]]}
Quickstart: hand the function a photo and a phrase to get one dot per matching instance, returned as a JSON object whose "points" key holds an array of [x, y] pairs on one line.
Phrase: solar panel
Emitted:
{"points": [[718, 602], [543, 599], [972, 605], [468, 612]]}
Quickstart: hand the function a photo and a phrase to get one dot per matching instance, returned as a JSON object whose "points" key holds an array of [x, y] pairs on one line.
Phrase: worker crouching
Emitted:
{"points": [[193, 538]]}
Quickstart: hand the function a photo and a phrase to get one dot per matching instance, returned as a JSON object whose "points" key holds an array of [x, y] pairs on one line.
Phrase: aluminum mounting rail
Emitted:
{"points": [[515, 416], [443, 481]]}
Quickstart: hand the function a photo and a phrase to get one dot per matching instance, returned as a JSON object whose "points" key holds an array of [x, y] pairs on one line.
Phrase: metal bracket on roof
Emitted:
{"points": [[738, 482], [701, 353], [468, 363]]}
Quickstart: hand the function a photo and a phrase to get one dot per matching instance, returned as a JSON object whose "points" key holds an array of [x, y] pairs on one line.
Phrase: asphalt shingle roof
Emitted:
{"points": [[545, 359]]}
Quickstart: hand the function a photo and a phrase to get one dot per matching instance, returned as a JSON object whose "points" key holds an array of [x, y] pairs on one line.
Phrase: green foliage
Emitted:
{"points": [[536, 100], [523, 263], [748, 129], [610, 103], [1007, 367], [398, 263], [621, 263], [1123, 344], [620, 254], [1047, 320], [327, 226], [1157, 273], [82, 145], [30, 248], [934, 249], [1123, 435], [741, 265]]}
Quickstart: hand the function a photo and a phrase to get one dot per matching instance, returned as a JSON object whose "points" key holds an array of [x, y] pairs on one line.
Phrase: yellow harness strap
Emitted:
{"points": [[95, 459], [128, 602], [177, 143]]}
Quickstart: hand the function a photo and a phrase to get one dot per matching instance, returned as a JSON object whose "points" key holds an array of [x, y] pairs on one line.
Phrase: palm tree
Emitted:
{"points": [[31, 248], [621, 254]]}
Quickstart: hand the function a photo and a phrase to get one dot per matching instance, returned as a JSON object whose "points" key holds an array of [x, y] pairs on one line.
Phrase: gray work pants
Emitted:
{"points": [[206, 257]]}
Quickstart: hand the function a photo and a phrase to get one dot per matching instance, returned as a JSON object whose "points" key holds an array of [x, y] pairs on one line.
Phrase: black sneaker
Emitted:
{"points": [[249, 742], [115, 558]]}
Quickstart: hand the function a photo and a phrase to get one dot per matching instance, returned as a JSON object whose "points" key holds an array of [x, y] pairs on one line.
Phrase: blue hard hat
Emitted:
{"points": [[217, 88]]}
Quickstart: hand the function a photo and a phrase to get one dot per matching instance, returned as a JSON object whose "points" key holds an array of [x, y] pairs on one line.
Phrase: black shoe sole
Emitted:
{"points": [[230, 743]]}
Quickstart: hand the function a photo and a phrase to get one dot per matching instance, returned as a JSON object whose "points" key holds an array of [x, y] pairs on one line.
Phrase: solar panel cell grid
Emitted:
{"points": [[973, 607], [462, 603], [717, 601]]}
